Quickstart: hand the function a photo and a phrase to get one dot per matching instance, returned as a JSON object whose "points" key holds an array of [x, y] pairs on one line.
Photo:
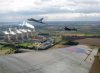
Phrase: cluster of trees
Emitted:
{"points": [[70, 43]]}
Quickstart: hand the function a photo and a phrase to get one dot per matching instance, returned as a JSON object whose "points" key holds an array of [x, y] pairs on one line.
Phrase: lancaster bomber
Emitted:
{"points": [[35, 20]]}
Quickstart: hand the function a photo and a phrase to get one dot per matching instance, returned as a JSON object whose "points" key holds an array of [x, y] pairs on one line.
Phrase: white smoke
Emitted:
{"points": [[20, 24], [29, 30], [18, 31], [23, 30], [12, 32], [5, 32], [27, 25]]}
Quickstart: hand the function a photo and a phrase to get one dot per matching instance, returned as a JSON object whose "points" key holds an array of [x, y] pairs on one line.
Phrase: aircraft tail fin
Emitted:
{"points": [[41, 19]]}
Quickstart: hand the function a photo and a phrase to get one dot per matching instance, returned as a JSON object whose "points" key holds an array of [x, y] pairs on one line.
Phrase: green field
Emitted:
{"points": [[29, 45], [6, 50]]}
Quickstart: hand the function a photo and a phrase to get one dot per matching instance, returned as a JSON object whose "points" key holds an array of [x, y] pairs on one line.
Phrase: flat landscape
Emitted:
{"points": [[90, 41]]}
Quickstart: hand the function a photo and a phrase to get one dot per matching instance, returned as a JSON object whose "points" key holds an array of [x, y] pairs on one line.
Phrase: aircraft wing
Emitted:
{"points": [[62, 60], [31, 19]]}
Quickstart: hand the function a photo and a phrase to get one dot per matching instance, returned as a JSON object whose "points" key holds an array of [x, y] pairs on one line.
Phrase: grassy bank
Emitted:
{"points": [[6, 50]]}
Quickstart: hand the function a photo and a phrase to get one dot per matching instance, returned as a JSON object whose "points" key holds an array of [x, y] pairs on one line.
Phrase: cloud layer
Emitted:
{"points": [[18, 10]]}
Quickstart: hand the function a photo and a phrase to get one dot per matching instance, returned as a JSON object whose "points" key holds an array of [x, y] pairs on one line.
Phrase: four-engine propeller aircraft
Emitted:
{"points": [[38, 21], [70, 29]]}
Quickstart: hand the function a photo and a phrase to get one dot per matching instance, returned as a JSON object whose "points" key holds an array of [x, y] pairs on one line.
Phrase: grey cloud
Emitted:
{"points": [[80, 6], [86, 1], [90, 6], [45, 0], [88, 18]]}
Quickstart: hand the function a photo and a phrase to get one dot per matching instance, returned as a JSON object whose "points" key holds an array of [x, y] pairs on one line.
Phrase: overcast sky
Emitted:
{"points": [[70, 10]]}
